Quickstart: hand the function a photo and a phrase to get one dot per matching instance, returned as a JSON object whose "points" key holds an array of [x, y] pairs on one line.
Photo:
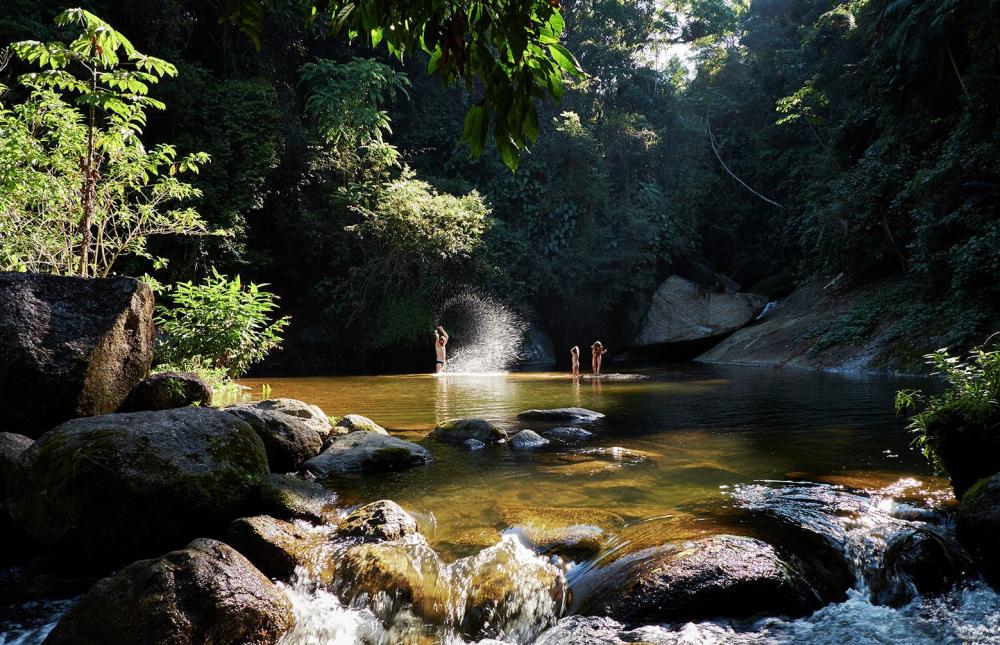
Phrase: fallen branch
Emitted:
{"points": [[715, 149]]}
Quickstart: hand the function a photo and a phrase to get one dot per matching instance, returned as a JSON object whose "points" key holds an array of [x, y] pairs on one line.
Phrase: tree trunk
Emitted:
{"points": [[89, 186]]}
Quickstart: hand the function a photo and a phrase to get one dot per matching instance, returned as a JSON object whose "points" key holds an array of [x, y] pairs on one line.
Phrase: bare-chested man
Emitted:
{"points": [[440, 347]]}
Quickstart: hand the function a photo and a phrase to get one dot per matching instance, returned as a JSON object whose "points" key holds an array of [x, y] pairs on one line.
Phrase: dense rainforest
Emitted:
{"points": [[771, 141]]}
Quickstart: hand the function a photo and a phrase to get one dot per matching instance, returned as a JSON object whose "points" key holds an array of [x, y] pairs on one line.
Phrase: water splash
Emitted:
{"points": [[486, 335]]}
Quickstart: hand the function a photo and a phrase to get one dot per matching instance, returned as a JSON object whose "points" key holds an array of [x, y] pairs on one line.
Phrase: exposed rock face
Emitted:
{"points": [[969, 451], [527, 440], [536, 348], [289, 441], [277, 547], [358, 423], [457, 431], [290, 498], [723, 575], [378, 522], [120, 486], [682, 311], [557, 415], [366, 452], [11, 447], [168, 390], [310, 414], [567, 435], [979, 524], [919, 561], [71, 347], [204, 593]]}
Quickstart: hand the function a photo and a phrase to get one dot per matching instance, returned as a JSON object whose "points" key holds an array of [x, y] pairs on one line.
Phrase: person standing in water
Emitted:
{"points": [[440, 348], [598, 351], [574, 355]]}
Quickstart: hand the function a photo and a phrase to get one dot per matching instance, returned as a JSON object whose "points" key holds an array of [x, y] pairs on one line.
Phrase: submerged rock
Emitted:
{"points": [[168, 390], [919, 561], [527, 440], [288, 440], [277, 547], [311, 415], [459, 430], [561, 414], [121, 486], [379, 521], [358, 423], [979, 524], [290, 498], [567, 435], [682, 311], [723, 575], [366, 452], [575, 542], [473, 445], [71, 347], [204, 593]]}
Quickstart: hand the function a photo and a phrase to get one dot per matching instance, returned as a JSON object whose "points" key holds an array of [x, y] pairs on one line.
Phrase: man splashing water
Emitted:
{"points": [[441, 348]]}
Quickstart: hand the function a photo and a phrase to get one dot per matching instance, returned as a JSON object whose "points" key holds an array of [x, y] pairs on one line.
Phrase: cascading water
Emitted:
{"points": [[486, 335]]}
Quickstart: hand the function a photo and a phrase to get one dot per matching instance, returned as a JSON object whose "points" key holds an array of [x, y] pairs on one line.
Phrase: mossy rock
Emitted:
{"points": [[358, 423], [359, 453], [457, 431], [117, 487], [288, 497], [379, 521]]}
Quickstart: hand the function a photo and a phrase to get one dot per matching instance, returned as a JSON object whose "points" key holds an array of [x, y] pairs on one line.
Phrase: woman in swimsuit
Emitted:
{"points": [[598, 352]]}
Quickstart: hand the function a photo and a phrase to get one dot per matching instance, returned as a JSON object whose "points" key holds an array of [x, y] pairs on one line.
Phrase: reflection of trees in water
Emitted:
{"points": [[485, 335]]}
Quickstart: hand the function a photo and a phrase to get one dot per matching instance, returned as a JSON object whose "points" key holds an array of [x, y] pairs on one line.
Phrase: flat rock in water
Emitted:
{"points": [[457, 431], [561, 414], [204, 593], [358, 423], [720, 576], [70, 347], [567, 435], [366, 452], [120, 486], [527, 440], [310, 414], [289, 440]]}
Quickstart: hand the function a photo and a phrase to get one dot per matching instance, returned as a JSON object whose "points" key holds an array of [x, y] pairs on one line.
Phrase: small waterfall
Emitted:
{"points": [[486, 335]]}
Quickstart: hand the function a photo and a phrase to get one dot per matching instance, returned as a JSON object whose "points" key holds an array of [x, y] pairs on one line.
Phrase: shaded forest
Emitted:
{"points": [[770, 141]]}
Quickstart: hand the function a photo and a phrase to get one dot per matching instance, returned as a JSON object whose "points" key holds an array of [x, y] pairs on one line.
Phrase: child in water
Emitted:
{"points": [[598, 353], [574, 355]]}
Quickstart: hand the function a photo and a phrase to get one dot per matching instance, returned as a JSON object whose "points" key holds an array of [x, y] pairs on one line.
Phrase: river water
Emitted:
{"points": [[683, 452]]}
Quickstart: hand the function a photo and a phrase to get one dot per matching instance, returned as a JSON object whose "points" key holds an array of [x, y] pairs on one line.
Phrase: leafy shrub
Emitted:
{"points": [[222, 323], [971, 398]]}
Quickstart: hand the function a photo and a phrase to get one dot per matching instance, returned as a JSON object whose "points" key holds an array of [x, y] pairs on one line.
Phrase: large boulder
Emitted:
{"points": [[682, 311], [11, 447], [289, 441], [366, 452], [919, 561], [71, 347], [457, 431], [979, 524], [379, 521], [168, 390], [310, 414], [969, 449], [723, 575], [536, 348], [204, 593], [289, 498], [120, 486], [281, 549]]}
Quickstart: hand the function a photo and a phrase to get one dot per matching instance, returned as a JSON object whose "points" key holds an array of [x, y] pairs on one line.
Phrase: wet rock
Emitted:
{"points": [[577, 542], [277, 547], [723, 575], [682, 311], [473, 445], [545, 518], [120, 486], [204, 593], [407, 571], [919, 561], [588, 461], [558, 415], [458, 431], [290, 498], [358, 423], [288, 440], [527, 440], [979, 524], [71, 347], [311, 415], [584, 630], [379, 521], [168, 390], [567, 435], [968, 450], [366, 452]]}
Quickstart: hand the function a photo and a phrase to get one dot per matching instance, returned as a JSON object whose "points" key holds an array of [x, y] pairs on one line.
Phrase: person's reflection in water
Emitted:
{"points": [[576, 391], [441, 406]]}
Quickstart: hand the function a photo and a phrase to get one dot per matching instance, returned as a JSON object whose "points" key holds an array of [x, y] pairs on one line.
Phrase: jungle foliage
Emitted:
{"points": [[769, 140]]}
